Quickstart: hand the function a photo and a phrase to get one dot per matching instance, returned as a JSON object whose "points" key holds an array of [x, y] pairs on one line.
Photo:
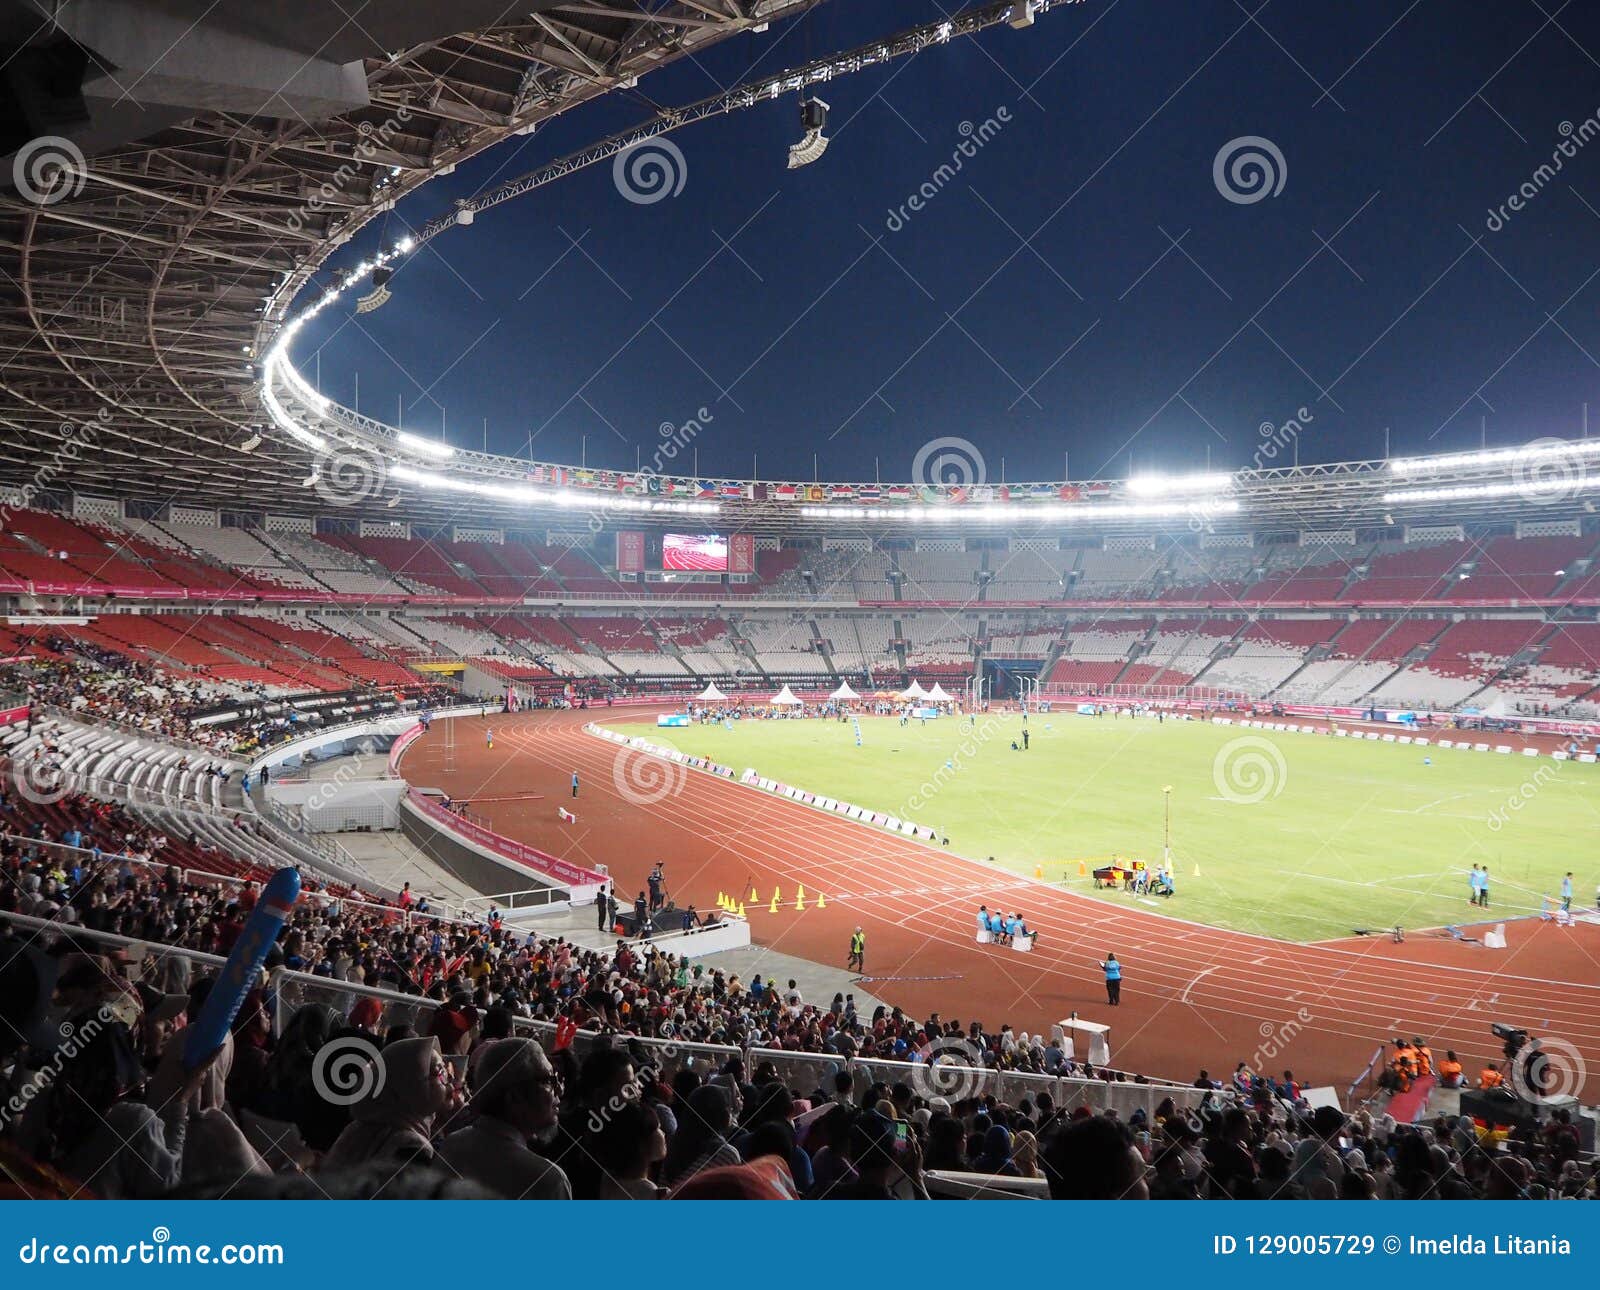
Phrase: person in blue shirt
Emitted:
{"points": [[1113, 971], [574, 783], [1566, 893], [1011, 925]]}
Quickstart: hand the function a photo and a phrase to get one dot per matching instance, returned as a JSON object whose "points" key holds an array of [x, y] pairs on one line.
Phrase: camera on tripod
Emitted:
{"points": [[1515, 1039]]}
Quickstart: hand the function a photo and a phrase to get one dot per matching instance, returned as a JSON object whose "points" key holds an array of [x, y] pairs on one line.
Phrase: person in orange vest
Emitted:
{"points": [[1490, 1076], [1450, 1075], [1397, 1078], [1423, 1056]]}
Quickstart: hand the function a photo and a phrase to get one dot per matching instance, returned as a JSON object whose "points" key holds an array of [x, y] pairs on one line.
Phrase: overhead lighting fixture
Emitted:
{"points": [[427, 447], [1494, 457], [1166, 485], [1463, 492], [1023, 513], [813, 143]]}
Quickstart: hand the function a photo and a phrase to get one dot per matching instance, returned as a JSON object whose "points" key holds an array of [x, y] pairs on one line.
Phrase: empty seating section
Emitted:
{"points": [[335, 568], [1566, 669], [238, 549], [783, 646], [1104, 575], [418, 564], [1073, 671], [1217, 576], [1028, 574], [1402, 574], [706, 645], [860, 643], [1521, 568], [868, 576], [629, 643], [502, 569], [938, 575], [936, 642]]}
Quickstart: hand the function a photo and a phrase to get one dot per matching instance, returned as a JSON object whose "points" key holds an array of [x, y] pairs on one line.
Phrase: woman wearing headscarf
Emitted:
{"points": [[394, 1126], [995, 1158]]}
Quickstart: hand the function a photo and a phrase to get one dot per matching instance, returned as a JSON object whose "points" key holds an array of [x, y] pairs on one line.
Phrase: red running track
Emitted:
{"points": [[1193, 996]]}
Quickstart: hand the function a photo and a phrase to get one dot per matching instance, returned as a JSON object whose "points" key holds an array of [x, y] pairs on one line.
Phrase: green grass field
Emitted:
{"points": [[1299, 836]]}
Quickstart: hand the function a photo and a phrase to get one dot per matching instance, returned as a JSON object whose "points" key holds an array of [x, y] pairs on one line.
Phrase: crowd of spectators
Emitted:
{"points": [[97, 684], [473, 1100]]}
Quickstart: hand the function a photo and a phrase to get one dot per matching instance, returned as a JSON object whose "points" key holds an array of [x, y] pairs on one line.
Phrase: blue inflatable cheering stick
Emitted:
{"points": [[210, 1029]]}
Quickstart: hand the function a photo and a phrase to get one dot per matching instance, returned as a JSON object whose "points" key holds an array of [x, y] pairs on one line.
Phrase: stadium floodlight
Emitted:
{"points": [[1534, 452], [813, 143], [286, 423], [1166, 485], [427, 447], [1025, 513], [1531, 488]]}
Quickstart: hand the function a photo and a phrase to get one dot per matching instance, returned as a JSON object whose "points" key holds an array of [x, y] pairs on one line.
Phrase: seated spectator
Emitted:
{"points": [[515, 1097]]}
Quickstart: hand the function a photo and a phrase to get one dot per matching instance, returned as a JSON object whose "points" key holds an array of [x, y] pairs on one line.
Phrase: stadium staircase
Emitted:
{"points": [[823, 649]]}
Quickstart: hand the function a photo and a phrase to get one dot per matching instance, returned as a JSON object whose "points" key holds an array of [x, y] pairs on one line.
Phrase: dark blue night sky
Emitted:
{"points": [[1038, 305]]}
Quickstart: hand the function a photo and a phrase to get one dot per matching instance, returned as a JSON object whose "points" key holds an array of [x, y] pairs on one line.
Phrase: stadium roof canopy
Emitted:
{"points": [[233, 146]]}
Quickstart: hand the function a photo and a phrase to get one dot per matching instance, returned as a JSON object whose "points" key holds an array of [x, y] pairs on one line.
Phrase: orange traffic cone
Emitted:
{"points": [[1083, 869], [1038, 871]]}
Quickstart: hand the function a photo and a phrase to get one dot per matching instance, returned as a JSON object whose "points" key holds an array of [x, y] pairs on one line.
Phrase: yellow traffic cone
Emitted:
{"points": [[722, 900], [800, 898], [753, 895], [773, 907], [742, 914], [822, 901], [1038, 871], [1197, 871], [1083, 869]]}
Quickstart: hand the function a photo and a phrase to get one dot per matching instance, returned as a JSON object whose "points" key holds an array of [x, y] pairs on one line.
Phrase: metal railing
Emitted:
{"points": [[798, 1070]]}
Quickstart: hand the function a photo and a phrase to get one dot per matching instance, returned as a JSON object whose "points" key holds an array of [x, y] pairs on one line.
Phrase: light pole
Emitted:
{"points": [[1166, 837]]}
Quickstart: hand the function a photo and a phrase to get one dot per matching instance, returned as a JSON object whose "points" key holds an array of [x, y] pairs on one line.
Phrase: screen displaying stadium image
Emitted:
{"points": [[694, 552]]}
